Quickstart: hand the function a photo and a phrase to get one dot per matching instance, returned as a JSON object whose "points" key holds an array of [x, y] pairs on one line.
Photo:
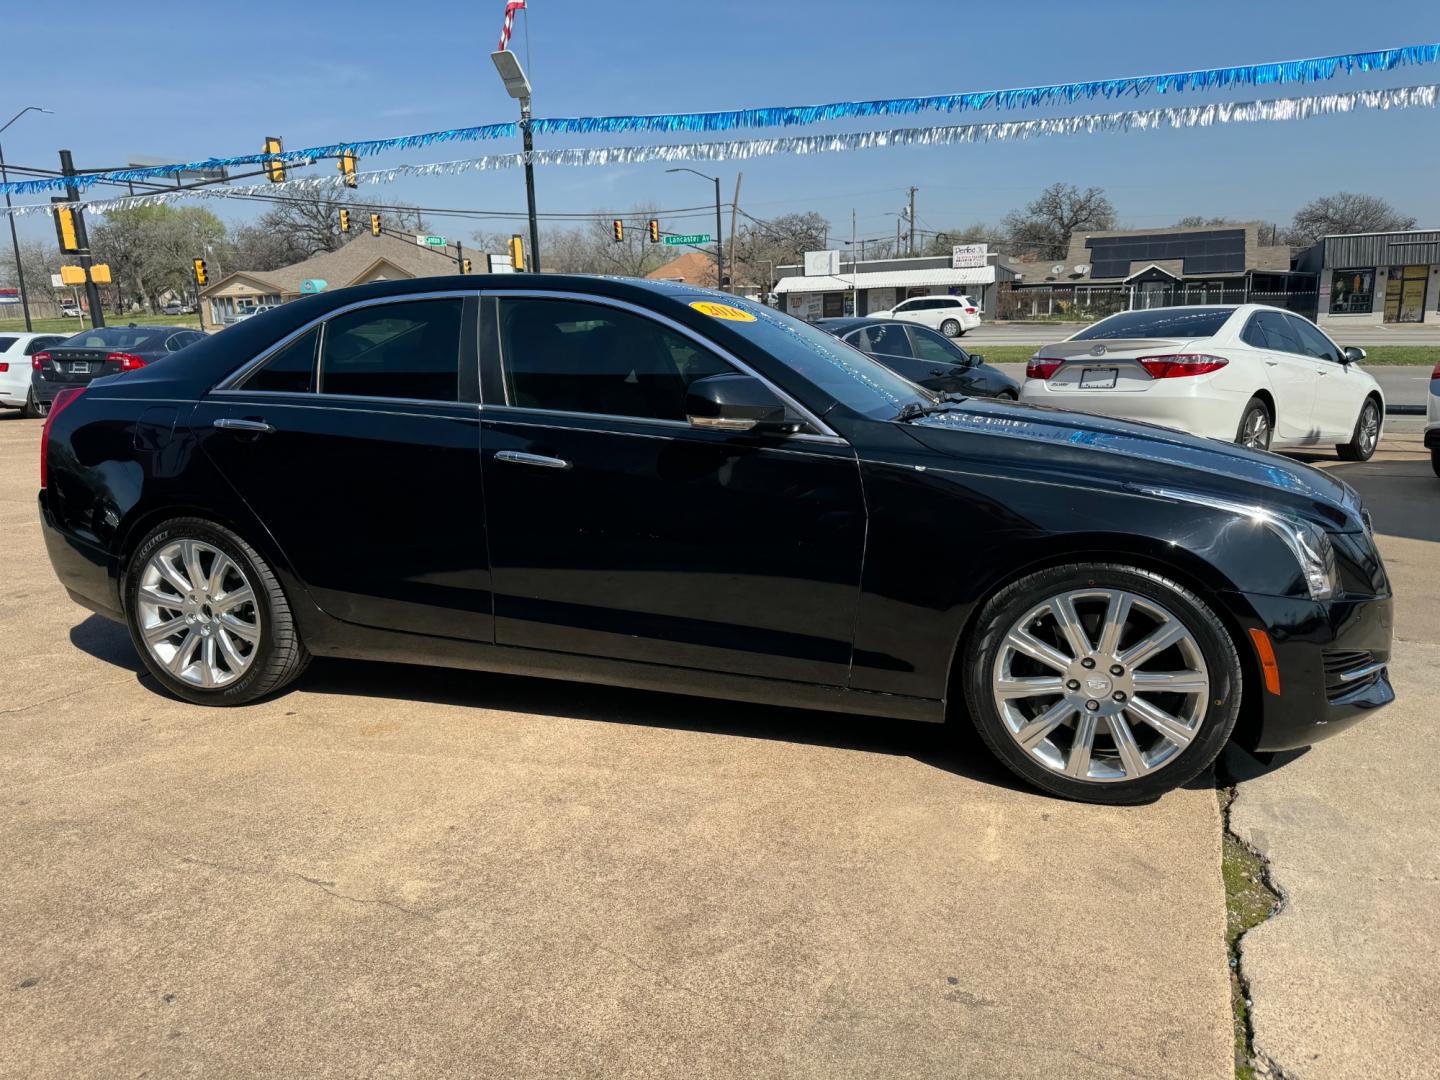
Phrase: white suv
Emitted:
{"points": [[951, 315]]}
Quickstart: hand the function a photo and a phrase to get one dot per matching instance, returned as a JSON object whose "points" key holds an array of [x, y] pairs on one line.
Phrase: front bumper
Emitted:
{"points": [[1327, 655]]}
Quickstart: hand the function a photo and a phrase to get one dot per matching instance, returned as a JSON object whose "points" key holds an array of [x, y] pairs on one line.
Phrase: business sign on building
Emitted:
{"points": [[968, 256], [818, 263]]}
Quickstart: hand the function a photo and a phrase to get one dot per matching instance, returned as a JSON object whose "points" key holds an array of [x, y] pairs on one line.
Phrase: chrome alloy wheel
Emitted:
{"points": [[197, 614], [1369, 428], [1101, 685], [1256, 434]]}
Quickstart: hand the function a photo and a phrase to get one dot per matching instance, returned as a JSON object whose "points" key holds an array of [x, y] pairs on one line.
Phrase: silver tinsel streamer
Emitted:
{"points": [[1175, 117]]}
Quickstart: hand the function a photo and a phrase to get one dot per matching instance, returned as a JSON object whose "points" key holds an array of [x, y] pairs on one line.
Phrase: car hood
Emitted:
{"points": [[1100, 450]]}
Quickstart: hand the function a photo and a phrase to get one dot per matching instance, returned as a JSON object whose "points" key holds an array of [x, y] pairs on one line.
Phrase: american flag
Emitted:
{"points": [[511, 6]]}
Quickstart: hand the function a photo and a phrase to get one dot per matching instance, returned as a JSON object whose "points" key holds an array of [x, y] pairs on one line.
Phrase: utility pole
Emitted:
{"points": [[734, 213], [15, 245], [912, 221], [92, 291], [530, 184]]}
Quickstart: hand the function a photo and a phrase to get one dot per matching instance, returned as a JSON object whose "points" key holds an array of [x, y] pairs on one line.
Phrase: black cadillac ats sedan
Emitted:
{"points": [[658, 486]]}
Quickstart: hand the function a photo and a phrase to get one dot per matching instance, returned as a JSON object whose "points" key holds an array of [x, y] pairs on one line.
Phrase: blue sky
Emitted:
{"points": [[183, 81]]}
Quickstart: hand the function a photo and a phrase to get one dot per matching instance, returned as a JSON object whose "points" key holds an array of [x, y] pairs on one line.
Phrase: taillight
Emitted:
{"points": [[1042, 367], [127, 361], [39, 360], [1180, 365], [4, 367], [1436, 373], [62, 400], [970, 311]]}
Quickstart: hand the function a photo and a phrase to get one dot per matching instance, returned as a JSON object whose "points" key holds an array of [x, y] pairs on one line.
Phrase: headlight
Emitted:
{"points": [[1309, 543]]}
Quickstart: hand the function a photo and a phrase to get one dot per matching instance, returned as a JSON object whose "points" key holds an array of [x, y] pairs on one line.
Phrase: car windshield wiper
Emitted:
{"points": [[913, 410]]}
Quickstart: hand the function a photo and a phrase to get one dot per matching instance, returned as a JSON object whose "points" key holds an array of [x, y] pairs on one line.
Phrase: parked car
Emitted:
{"points": [[951, 315], [69, 310], [1259, 376], [1432, 420], [249, 313], [15, 352], [76, 360], [676, 489], [923, 356]]}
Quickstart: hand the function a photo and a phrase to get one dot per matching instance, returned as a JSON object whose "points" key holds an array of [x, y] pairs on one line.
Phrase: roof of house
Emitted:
{"points": [[349, 263], [694, 267], [895, 279]]}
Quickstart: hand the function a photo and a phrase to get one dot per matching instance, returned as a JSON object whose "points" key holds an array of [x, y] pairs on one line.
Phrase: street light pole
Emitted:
{"points": [[719, 236], [14, 239], [517, 85]]}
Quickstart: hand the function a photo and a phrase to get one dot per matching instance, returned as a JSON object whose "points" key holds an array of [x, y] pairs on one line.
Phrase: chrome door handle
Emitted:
{"points": [[1272, 363], [515, 457], [259, 427]]}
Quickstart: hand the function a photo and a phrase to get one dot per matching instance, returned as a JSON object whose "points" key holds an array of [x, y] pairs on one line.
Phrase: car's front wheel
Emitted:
{"points": [[1102, 682], [208, 616], [1366, 436], [950, 328]]}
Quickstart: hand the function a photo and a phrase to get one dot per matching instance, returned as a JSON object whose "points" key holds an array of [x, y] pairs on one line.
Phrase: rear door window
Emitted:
{"points": [[409, 349], [290, 370], [6, 342], [886, 340]]}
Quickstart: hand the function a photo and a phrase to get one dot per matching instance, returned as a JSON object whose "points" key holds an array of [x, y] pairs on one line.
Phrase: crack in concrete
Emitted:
{"points": [[326, 887], [1262, 1063], [59, 697]]}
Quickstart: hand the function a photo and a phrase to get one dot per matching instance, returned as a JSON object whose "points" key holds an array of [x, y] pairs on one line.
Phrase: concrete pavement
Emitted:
{"points": [[1345, 980], [395, 872]]}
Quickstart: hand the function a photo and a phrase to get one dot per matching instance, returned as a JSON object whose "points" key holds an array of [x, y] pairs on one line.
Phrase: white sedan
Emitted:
{"points": [[951, 315], [16, 349], [1260, 376]]}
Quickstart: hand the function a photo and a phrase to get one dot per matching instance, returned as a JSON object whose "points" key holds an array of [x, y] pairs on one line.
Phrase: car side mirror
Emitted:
{"points": [[1354, 354], [739, 403], [977, 358]]}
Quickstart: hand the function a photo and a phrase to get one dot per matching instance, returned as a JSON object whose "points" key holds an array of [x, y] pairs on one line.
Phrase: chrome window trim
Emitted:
{"points": [[504, 412], [227, 384], [677, 427], [822, 429]]}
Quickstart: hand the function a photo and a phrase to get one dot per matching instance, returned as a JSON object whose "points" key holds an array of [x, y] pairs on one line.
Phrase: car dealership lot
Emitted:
{"points": [[398, 871]]}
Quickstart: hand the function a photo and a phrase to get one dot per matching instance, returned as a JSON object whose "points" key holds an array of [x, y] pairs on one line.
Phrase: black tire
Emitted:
{"points": [[1362, 445], [279, 655], [32, 409], [1012, 603], [1007, 395], [1255, 410], [951, 328], [1435, 461]]}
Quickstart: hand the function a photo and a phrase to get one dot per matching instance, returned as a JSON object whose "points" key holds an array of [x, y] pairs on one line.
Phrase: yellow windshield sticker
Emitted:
{"points": [[722, 311]]}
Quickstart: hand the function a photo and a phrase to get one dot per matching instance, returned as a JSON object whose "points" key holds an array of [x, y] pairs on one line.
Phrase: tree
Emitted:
{"points": [[150, 249], [1044, 227], [762, 246], [1344, 212], [39, 259], [254, 247], [941, 243], [310, 224]]}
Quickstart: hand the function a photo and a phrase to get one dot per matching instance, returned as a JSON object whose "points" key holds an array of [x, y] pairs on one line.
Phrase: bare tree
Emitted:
{"points": [[1045, 225], [941, 243], [763, 246], [311, 223], [1344, 212]]}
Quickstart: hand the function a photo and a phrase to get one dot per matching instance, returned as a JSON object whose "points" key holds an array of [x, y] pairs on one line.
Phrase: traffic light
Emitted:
{"points": [[464, 266], [374, 224], [201, 277], [654, 231], [517, 252], [344, 220], [619, 229], [347, 167], [72, 275], [100, 273], [65, 230], [275, 170]]}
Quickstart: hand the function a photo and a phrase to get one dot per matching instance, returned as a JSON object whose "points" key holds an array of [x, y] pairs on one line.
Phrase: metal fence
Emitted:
{"points": [[1086, 303]]}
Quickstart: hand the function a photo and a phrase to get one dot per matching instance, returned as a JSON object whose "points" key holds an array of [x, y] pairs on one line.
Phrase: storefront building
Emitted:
{"points": [[880, 284], [1391, 277]]}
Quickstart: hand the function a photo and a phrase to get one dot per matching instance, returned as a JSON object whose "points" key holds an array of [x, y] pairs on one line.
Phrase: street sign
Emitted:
{"points": [[968, 256], [56, 281], [819, 263], [693, 238], [430, 241], [9, 298]]}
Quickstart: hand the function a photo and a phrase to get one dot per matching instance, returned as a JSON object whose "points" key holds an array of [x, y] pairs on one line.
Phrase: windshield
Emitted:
{"points": [[121, 337], [1176, 322], [842, 371]]}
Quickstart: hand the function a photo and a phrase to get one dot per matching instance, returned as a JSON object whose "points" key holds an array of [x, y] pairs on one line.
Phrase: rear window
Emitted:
{"points": [[121, 337], [1161, 323]]}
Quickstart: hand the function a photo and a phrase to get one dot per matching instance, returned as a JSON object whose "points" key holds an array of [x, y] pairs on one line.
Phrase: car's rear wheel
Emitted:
{"points": [[1366, 436], [208, 616], [1256, 426], [951, 328], [1102, 682], [33, 408]]}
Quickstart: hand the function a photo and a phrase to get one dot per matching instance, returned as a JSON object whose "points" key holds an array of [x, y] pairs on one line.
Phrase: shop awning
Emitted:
{"points": [[892, 279]]}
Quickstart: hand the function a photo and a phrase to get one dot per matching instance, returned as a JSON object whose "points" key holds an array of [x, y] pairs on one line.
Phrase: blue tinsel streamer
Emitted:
{"points": [[1293, 71]]}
